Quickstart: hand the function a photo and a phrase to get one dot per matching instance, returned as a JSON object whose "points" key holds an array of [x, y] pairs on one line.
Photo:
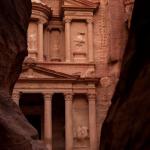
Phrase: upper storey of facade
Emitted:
{"points": [[62, 31]]}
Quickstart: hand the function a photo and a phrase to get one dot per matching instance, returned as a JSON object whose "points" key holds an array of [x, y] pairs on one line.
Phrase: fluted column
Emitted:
{"points": [[67, 40], [92, 121], [90, 40], [40, 41], [16, 97], [48, 120], [68, 122]]}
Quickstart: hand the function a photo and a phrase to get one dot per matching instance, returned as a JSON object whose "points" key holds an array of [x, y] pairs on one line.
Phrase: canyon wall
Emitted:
{"points": [[126, 126], [15, 132]]}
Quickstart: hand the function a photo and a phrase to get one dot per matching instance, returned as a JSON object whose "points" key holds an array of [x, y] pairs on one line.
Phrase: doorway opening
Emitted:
{"points": [[32, 105], [58, 122]]}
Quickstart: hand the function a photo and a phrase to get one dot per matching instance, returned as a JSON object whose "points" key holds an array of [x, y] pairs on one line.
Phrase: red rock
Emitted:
{"points": [[126, 126], [15, 132]]}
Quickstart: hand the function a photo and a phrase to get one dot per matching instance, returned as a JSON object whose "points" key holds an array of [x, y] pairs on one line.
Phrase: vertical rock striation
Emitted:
{"points": [[127, 125], [15, 132]]}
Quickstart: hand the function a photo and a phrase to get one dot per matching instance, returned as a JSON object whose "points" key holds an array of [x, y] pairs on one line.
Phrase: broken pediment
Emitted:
{"points": [[37, 72], [85, 4]]}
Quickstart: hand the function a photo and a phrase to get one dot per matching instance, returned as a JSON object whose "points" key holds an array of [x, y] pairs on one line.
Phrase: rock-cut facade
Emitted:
{"points": [[75, 48]]}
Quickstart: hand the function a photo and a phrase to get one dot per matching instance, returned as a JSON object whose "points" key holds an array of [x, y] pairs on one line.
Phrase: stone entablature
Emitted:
{"points": [[36, 72], [40, 12], [77, 69], [80, 5]]}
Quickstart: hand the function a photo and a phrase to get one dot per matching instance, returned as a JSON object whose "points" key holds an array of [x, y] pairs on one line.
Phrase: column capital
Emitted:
{"points": [[68, 96], [67, 20], [90, 20], [48, 96], [41, 21], [91, 96]]}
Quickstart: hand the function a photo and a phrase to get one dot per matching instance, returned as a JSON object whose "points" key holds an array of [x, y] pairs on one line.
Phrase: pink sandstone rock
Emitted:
{"points": [[127, 125]]}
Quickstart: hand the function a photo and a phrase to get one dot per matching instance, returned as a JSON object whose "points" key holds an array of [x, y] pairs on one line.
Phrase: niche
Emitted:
{"points": [[80, 122]]}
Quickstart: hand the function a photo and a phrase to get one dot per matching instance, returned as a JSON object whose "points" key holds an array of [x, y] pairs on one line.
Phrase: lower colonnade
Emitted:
{"points": [[69, 135]]}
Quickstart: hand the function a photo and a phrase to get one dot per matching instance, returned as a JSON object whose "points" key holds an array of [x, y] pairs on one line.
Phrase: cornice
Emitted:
{"points": [[59, 76], [44, 11], [83, 5]]}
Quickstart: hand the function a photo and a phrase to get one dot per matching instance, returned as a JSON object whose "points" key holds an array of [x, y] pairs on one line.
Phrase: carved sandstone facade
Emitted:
{"points": [[70, 73]]}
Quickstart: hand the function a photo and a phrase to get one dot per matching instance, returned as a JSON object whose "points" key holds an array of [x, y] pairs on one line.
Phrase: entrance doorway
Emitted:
{"points": [[58, 122], [32, 105]]}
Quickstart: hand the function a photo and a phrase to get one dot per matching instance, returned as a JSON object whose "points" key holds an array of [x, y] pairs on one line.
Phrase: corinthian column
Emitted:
{"points": [[68, 122], [90, 39], [92, 121], [40, 41], [48, 120], [67, 40]]}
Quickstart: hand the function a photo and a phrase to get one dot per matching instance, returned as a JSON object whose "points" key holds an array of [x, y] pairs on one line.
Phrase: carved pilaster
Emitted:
{"points": [[40, 40], [67, 39], [90, 39]]}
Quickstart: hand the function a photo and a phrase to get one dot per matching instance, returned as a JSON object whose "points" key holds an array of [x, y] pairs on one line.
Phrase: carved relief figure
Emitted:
{"points": [[82, 132], [32, 41], [80, 41]]}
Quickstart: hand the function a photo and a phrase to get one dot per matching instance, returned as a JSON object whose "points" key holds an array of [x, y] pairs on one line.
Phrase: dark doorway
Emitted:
{"points": [[32, 105], [58, 122]]}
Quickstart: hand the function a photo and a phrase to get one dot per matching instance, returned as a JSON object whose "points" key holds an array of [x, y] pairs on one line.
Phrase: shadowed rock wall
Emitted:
{"points": [[15, 132], [127, 125]]}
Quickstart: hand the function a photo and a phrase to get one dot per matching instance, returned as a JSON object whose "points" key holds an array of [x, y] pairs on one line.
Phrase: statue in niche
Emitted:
{"points": [[32, 41], [80, 41], [82, 132], [56, 46]]}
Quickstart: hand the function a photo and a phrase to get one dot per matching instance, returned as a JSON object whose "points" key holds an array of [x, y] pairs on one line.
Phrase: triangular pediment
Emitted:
{"points": [[38, 72], [79, 4]]}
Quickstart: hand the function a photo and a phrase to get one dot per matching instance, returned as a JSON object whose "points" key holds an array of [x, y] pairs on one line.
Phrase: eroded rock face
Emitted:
{"points": [[127, 125], [15, 132]]}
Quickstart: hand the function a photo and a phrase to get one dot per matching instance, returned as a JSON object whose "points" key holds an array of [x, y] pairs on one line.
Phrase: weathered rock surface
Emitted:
{"points": [[127, 125], [15, 132]]}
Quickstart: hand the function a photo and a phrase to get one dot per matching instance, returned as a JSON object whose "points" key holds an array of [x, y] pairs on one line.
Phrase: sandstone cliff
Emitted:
{"points": [[15, 132], [127, 125]]}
